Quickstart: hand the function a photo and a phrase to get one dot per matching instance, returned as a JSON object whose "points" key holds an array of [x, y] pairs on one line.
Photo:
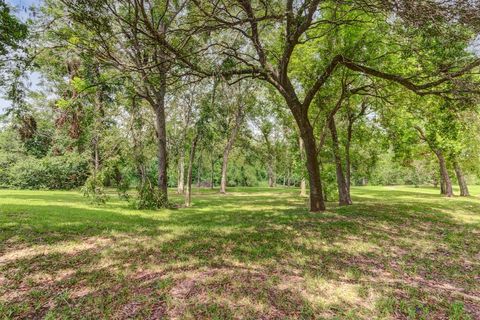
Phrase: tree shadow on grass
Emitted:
{"points": [[251, 258]]}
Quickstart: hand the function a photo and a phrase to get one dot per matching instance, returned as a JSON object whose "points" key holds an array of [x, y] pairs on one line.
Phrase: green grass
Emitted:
{"points": [[397, 253]]}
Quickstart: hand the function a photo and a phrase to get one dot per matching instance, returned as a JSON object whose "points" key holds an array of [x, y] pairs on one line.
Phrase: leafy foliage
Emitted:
{"points": [[94, 191], [11, 30], [149, 197], [52, 172]]}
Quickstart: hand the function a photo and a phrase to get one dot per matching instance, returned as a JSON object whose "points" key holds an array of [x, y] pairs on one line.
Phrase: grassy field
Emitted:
{"points": [[397, 253]]}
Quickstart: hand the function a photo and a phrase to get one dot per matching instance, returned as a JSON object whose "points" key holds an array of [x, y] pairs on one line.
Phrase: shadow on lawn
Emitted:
{"points": [[254, 257]]}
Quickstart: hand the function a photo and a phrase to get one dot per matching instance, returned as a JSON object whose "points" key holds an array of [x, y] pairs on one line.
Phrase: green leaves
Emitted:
{"points": [[63, 103], [12, 31]]}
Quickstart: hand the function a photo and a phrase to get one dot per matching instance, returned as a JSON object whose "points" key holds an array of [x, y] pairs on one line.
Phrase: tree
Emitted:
{"points": [[273, 33], [12, 55], [445, 181], [133, 37], [12, 32], [237, 105]]}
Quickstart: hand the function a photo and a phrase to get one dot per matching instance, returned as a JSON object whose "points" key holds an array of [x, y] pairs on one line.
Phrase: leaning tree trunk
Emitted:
{"points": [[343, 194], [446, 181], [188, 192], [311, 156], [462, 183], [228, 148]]}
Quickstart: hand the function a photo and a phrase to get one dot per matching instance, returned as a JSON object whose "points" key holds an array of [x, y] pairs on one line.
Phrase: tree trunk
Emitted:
{"points": [[181, 174], [303, 187], [303, 183], [462, 183], [137, 142], [159, 109], [181, 160], [96, 137], [223, 182], [98, 124], [188, 193], [446, 181], [316, 194], [228, 148], [442, 183], [74, 115], [270, 161], [348, 165], [199, 173], [96, 158], [270, 175], [212, 175], [343, 194]]}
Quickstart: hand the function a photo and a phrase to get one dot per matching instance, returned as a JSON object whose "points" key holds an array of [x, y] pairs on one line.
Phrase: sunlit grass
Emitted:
{"points": [[398, 252]]}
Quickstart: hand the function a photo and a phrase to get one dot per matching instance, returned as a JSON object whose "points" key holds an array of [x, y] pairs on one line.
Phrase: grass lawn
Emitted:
{"points": [[256, 253]]}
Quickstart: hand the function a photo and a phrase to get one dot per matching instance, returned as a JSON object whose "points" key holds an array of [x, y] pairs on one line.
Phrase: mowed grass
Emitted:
{"points": [[255, 253]]}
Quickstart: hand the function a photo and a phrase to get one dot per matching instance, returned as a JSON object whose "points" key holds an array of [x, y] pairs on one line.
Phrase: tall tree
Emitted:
{"points": [[273, 33], [238, 108], [12, 31], [133, 36]]}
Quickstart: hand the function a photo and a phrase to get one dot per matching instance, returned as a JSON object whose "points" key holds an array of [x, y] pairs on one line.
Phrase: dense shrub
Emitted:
{"points": [[6, 161], [52, 172], [243, 175]]}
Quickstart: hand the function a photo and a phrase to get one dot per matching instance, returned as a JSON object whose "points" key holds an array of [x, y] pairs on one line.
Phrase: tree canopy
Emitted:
{"points": [[317, 94]]}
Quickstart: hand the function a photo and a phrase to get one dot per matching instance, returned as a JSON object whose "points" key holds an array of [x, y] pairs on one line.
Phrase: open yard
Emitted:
{"points": [[256, 253], [278, 98]]}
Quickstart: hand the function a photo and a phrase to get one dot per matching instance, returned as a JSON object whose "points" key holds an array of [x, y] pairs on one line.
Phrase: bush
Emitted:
{"points": [[52, 172], [6, 162]]}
